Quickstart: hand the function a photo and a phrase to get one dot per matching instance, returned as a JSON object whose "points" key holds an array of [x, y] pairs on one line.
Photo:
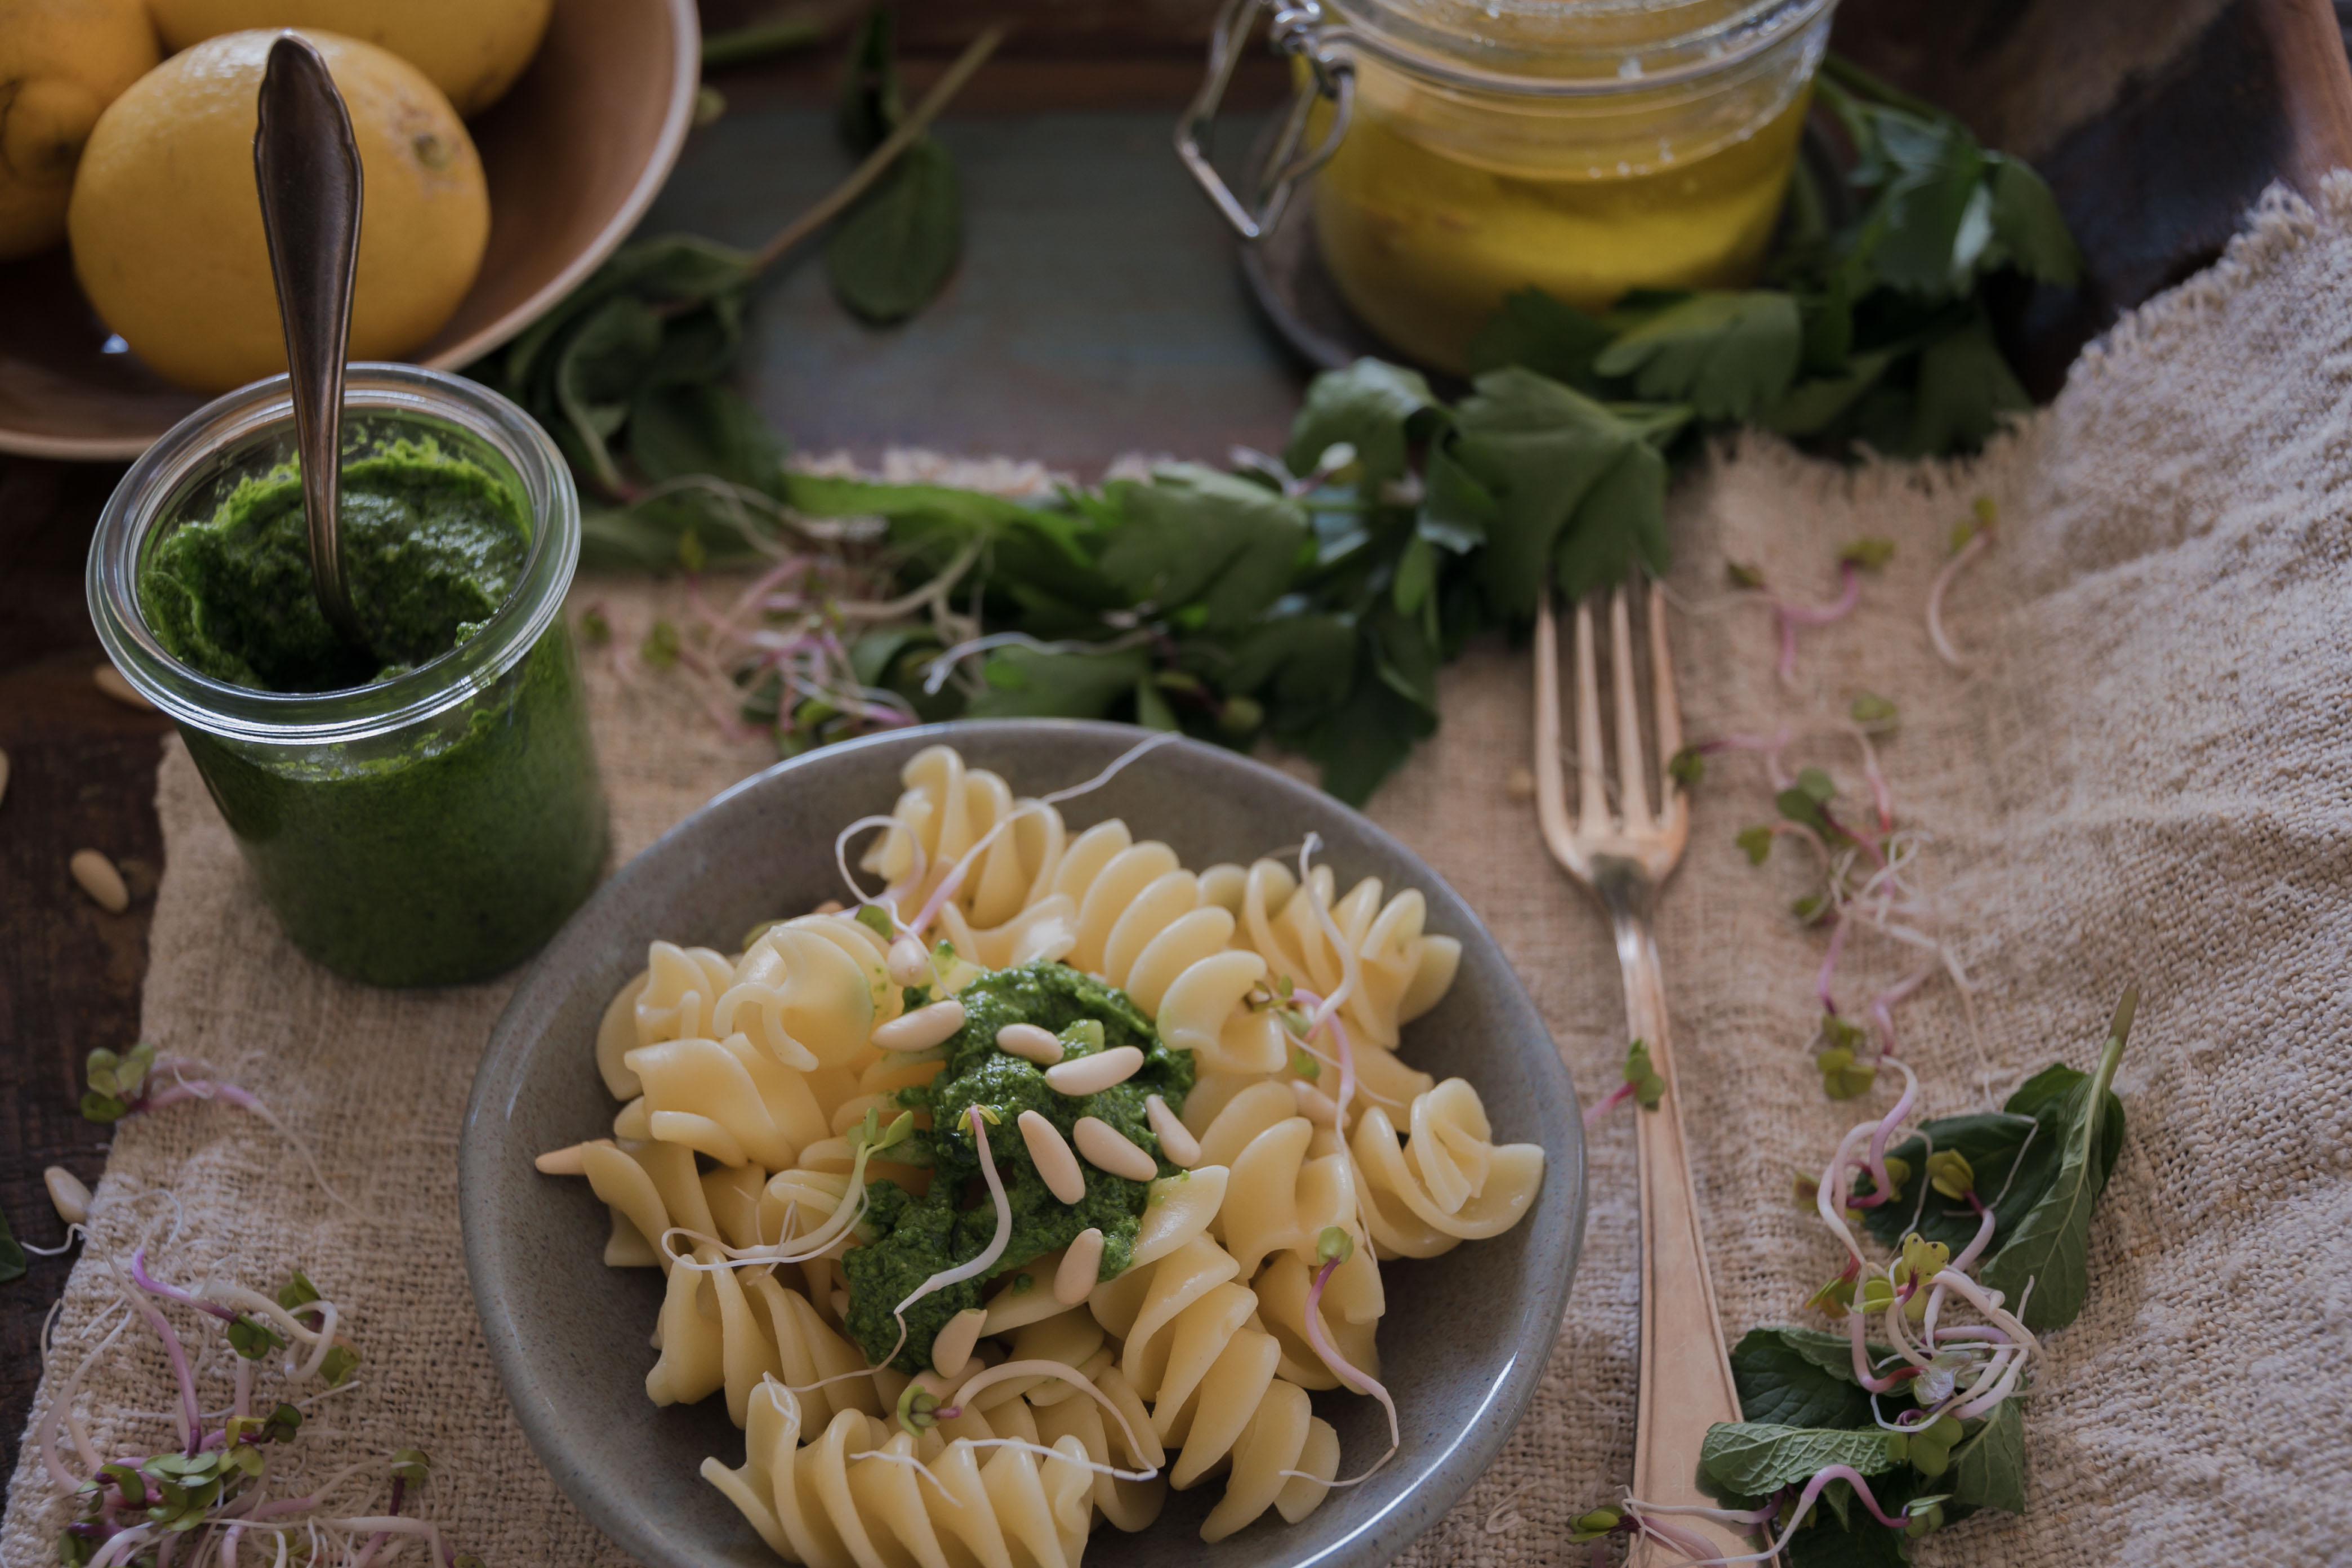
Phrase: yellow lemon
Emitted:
{"points": [[473, 49], [61, 63], [166, 225]]}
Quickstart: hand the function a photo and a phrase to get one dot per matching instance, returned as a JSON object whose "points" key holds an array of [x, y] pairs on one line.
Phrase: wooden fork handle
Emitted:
{"points": [[1687, 1383]]}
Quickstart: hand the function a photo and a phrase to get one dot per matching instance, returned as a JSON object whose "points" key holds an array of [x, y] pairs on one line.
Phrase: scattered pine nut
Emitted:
{"points": [[1074, 1281], [1176, 1139], [3, 775], [908, 964], [830, 906], [99, 880], [1519, 783], [1055, 1163], [562, 1161], [1030, 1042], [66, 1190], [1092, 1075], [1107, 1149], [951, 1347], [922, 1029], [110, 681]]}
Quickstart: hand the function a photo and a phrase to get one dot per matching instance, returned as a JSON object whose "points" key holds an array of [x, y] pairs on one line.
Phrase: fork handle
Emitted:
{"points": [[1686, 1375]]}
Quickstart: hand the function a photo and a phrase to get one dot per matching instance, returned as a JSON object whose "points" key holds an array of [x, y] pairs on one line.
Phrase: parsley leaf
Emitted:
{"points": [[1728, 355], [1369, 406]]}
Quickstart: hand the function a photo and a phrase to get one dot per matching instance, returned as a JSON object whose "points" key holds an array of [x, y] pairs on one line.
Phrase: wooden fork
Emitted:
{"points": [[1624, 856]]}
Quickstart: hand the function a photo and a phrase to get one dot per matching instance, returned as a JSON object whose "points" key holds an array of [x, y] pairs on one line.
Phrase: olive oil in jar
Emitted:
{"points": [[1424, 244]]}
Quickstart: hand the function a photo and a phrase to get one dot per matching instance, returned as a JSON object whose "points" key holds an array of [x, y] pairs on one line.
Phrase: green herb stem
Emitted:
{"points": [[779, 34], [877, 162]]}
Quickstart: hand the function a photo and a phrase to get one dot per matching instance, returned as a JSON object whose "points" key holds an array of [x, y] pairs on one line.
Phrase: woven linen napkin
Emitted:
{"points": [[2139, 778]]}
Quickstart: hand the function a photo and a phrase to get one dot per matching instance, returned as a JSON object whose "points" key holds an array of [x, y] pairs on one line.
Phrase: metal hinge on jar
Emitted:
{"points": [[1300, 29]]}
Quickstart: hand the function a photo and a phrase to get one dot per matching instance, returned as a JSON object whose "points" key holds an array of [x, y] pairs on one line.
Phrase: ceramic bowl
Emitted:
{"points": [[1466, 1334], [574, 153]]}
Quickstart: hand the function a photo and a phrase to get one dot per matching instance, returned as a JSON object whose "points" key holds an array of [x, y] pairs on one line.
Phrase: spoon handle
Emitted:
{"points": [[307, 166]]}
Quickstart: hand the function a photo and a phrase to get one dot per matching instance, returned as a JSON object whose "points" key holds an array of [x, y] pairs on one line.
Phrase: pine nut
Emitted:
{"points": [[908, 964], [110, 681], [1107, 1149], [1074, 1281], [3, 775], [951, 1348], [1314, 1104], [1030, 1042], [1176, 1139], [99, 880], [562, 1161], [1092, 1075], [72, 1199], [1052, 1158], [922, 1029]]}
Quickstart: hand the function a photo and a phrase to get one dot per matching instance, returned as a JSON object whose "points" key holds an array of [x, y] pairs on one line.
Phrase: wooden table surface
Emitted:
{"points": [[1097, 313]]}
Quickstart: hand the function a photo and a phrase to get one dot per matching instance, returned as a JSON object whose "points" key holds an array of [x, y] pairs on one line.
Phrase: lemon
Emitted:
{"points": [[61, 63], [166, 223], [473, 49]]}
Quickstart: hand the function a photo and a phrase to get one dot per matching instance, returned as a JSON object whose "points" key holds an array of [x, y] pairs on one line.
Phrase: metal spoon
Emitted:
{"points": [[307, 168]]}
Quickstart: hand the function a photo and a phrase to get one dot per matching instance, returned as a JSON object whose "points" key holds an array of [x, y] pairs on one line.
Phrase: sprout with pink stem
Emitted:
{"points": [[1970, 539], [1334, 1246]]}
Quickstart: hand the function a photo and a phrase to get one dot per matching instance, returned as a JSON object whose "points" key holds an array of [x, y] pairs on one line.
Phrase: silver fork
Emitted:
{"points": [[1624, 856]]}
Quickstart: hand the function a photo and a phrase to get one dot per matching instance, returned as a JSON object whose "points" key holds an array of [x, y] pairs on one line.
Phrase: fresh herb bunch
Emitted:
{"points": [[1312, 597], [628, 371]]}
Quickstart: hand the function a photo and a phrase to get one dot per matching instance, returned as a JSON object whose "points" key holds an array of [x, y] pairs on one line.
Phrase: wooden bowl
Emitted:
{"points": [[574, 153]]}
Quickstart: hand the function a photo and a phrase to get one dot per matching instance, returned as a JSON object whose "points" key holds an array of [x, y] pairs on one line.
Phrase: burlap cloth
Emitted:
{"points": [[2141, 780]]}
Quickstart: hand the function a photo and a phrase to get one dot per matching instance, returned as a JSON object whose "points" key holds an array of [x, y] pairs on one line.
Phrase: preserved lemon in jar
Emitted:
{"points": [[1583, 147]]}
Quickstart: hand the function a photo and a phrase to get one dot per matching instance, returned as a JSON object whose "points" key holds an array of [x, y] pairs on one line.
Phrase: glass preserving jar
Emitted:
{"points": [[1465, 149], [435, 826]]}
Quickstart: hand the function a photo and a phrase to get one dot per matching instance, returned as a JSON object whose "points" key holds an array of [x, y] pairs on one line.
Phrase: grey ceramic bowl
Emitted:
{"points": [[1465, 1337]]}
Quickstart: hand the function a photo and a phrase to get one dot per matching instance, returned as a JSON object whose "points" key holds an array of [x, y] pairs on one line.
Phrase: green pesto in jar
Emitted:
{"points": [[432, 544], [443, 850], [907, 1239]]}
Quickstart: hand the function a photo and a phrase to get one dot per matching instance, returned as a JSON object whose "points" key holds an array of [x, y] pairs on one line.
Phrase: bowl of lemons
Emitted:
{"points": [[505, 148]]}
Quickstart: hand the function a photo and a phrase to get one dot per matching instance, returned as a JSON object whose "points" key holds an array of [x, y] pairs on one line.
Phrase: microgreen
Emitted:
{"points": [[1869, 707]]}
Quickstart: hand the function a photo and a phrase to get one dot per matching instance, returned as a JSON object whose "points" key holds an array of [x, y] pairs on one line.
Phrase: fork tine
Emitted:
{"points": [[1593, 801], [1633, 782], [1669, 710], [1551, 787]]}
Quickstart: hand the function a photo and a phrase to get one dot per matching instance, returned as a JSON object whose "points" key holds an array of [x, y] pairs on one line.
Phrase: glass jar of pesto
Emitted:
{"points": [[1465, 149], [422, 811]]}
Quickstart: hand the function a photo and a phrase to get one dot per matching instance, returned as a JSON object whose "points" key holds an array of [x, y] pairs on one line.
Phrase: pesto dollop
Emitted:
{"points": [[432, 544], [909, 1238]]}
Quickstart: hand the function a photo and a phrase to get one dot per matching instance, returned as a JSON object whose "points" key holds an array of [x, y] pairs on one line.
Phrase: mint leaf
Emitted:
{"points": [[706, 428], [892, 252], [1195, 536], [1728, 355], [2051, 1246], [1988, 1470], [1753, 1459], [1367, 406], [1024, 683], [1798, 1377]]}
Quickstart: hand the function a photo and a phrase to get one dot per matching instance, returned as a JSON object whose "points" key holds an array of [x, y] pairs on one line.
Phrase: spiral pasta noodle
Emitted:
{"points": [[1181, 1241]]}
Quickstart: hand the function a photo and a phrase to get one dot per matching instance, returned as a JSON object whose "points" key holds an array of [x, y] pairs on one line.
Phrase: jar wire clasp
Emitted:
{"points": [[1300, 29]]}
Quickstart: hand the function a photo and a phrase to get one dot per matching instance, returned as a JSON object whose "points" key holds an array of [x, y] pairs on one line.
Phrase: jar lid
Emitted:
{"points": [[1567, 47]]}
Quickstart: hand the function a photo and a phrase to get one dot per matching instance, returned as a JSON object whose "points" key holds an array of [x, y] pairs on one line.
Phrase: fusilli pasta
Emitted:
{"points": [[770, 1153]]}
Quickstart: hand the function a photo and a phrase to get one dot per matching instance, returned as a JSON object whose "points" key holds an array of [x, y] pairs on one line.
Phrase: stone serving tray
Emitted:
{"points": [[1466, 1334]]}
